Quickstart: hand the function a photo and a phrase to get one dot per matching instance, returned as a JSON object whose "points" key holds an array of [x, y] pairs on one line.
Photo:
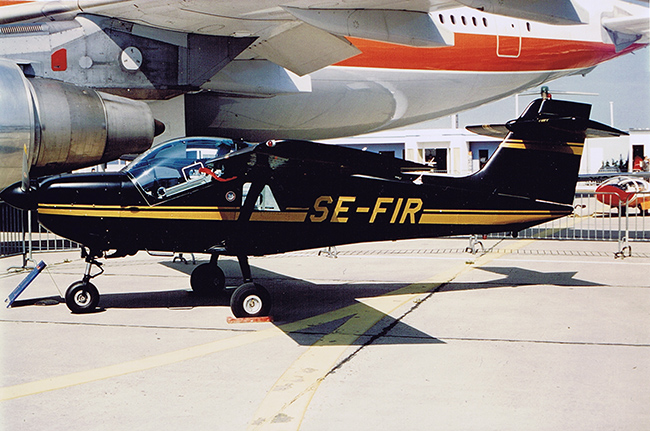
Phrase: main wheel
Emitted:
{"points": [[250, 300], [82, 297], [207, 279]]}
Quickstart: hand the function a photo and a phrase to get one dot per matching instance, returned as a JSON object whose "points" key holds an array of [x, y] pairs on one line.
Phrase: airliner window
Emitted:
{"points": [[177, 166]]}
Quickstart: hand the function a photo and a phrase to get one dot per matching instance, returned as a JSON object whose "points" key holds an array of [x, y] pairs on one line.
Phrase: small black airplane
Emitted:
{"points": [[217, 196]]}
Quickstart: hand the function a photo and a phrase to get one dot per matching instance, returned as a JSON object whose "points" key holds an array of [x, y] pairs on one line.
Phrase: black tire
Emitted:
{"points": [[82, 297], [250, 300], [208, 279]]}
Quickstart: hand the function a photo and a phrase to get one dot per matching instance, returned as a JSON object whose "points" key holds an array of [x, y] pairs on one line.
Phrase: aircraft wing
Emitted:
{"points": [[300, 39]]}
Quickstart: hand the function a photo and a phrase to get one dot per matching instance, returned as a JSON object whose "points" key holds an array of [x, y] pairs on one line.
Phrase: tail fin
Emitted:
{"points": [[539, 157]]}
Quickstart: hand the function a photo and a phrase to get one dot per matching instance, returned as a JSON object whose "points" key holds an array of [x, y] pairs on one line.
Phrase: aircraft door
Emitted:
{"points": [[508, 37]]}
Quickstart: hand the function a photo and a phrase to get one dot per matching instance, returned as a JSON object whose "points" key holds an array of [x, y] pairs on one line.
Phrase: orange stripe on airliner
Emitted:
{"points": [[478, 53], [10, 3]]}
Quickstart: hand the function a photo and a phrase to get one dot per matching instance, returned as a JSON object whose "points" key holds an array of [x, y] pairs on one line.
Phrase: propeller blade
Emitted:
{"points": [[25, 172]]}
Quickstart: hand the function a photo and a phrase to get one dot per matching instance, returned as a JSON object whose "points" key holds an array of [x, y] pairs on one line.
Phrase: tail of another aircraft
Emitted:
{"points": [[539, 157]]}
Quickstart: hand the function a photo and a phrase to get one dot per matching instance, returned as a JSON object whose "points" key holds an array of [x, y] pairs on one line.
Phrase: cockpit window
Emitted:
{"points": [[176, 166]]}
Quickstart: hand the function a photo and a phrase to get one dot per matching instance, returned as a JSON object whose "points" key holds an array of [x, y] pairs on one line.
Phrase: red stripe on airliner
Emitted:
{"points": [[478, 53], [10, 3]]}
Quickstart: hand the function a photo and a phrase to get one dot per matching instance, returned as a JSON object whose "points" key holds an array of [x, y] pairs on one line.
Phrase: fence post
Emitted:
{"points": [[623, 245]]}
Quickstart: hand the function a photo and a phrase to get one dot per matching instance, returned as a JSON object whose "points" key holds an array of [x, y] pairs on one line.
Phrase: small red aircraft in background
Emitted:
{"points": [[623, 192]]}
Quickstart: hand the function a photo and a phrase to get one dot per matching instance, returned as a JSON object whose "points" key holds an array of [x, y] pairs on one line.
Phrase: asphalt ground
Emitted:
{"points": [[417, 335]]}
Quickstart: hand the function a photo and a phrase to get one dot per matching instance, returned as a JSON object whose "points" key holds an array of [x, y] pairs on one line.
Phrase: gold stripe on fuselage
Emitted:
{"points": [[154, 213], [566, 148], [486, 217], [279, 216], [167, 212], [428, 216]]}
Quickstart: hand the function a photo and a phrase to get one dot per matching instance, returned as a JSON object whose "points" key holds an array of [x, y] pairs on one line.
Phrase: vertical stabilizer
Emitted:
{"points": [[539, 157]]}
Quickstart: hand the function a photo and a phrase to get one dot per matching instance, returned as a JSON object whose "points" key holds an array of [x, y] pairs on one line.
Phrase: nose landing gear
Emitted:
{"points": [[82, 296]]}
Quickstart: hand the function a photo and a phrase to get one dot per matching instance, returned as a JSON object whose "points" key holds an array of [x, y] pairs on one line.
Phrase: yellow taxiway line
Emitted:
{"points": [[286, 403]]}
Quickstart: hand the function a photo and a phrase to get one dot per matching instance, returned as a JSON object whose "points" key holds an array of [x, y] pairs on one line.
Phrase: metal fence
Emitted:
{"points": [[592, 220], [11, 231], [21, 234]]}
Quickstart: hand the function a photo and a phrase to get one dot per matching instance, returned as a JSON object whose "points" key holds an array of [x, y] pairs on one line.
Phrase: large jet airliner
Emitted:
{"points": [[73, 74]]}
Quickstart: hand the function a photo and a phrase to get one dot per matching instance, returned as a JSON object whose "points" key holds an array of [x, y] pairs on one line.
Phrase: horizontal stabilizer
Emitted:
{"points": [[492, 130], [550, 120], [599, 130]]}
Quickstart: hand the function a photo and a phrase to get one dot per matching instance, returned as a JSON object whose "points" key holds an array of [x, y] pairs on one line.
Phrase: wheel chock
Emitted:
{"points": [[261, 319]]}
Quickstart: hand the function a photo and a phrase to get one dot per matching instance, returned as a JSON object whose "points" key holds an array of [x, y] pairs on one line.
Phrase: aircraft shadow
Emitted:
{"points": [[518, 277], [298, 300]]}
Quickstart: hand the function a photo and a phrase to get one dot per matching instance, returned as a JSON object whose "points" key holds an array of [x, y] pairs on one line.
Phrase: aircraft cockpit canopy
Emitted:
{"points": [[627, 184], [174, 167]]}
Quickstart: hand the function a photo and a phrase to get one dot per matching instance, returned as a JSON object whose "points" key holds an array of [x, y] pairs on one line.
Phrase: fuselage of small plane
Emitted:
{"points": [[333, 196], [625, 191]]}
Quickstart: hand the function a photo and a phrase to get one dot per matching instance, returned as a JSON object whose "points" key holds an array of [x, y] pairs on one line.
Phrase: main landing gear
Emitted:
{"points": [[248, 300], [82, 296]]}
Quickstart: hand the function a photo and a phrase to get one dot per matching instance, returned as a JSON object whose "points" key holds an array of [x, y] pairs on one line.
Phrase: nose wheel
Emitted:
{"points": [[82, 297]]}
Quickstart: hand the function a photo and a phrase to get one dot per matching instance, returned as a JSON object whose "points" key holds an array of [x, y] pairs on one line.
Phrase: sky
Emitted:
{"points": [[625, 81]]}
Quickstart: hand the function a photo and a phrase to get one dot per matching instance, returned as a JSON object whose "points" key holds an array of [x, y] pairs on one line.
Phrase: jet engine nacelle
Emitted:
{"points": [[49, 127]]}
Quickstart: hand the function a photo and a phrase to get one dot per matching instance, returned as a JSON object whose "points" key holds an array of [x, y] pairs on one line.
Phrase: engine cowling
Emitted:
{"points": [[49, 127]]}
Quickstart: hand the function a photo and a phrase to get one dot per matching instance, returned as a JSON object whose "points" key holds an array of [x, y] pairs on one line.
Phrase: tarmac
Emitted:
{"points": [[408, 335]]}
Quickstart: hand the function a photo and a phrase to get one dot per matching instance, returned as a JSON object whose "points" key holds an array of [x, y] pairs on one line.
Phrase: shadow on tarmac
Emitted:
{"points": [[516, 277], [320, 305]]}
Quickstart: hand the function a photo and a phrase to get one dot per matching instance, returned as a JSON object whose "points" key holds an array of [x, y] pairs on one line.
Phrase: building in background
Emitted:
{"points": [[457, 151]]}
